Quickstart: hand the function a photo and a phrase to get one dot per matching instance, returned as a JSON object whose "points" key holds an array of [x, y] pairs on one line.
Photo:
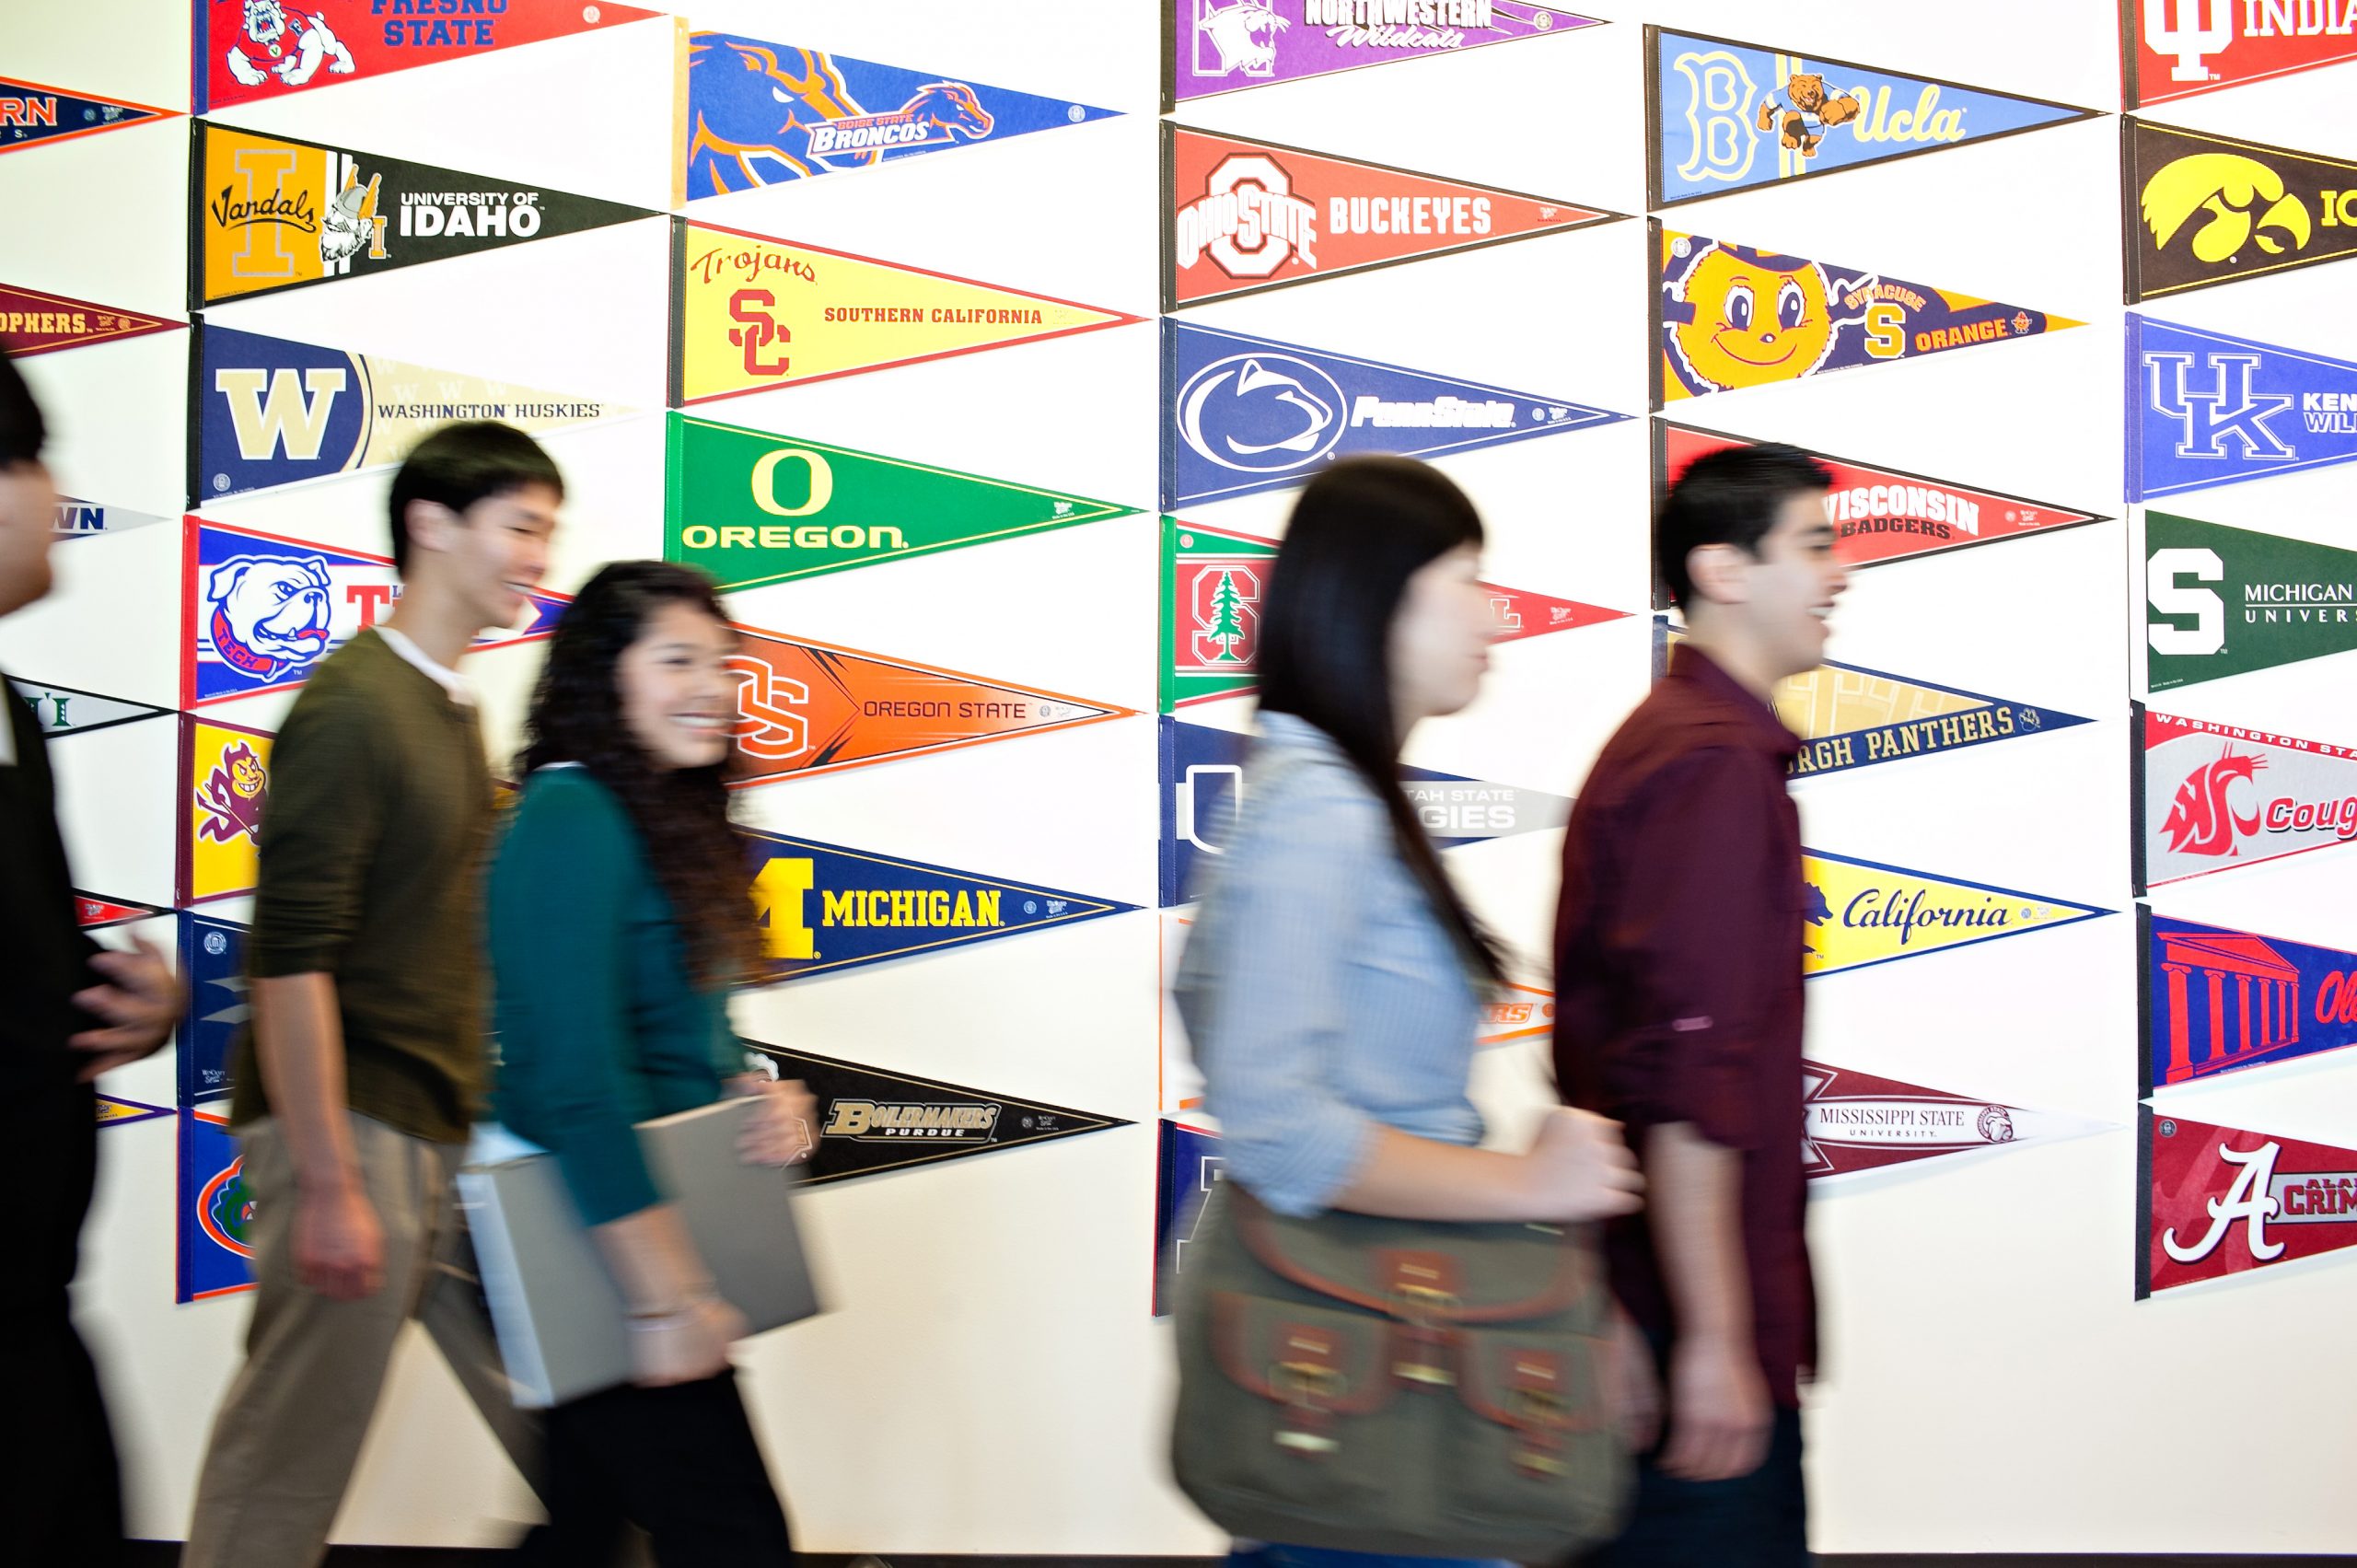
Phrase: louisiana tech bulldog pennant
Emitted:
{"points": [[213, 972], [116, 1111], [1853, 1121], [225, 789], [64, 710], [2209, 209], [824, 908], [2175, 48], [1241, 215], [2208, 796], [749, 313], [1728, 116], [1187, 1165], [216, 1211], [32, 115], [762, 114], [93, 912], [1860, 913], [90, 519], [271, 213], [2206, 408], [2212, 1201], [1729, 316], [2217, 1000], [252, 50], [1243, 414], [750, 508], [1220, 46], [33, 321], [2226, 601]]}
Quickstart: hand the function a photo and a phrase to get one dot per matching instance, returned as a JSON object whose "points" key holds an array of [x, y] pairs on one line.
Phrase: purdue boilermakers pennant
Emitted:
{"points": [[2175, 48], [62, 710], [213, 972], [2207, 408], [224, 791], [2206, 209], [32, 115], [1221, 46], [2218, 1000], [1860, 913], [2226, 602], [216, 1211], [33, 321], [2208, 796], [2212, 1201], [1855, 1121]]}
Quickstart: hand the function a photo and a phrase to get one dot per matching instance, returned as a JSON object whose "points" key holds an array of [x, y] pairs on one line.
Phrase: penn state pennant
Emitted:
{"points": [[762, 113], [2226, 602], [213, 972], [752, 507], [93, 912], [35, 322], [1728, 116], [2175, 48], [216, 1211], [62, 710], [1244, 415], [1861, 912], [90, 519], [1855, 1121], [1222, 46], [32, 115], [2209, 210], [116, 1111], [2218, 1000], [2208, 796], [1187, 1165], [2214, 1202], [225, 789]]}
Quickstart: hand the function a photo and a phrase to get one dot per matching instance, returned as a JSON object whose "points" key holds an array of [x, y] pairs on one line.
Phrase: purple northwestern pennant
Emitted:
{"points": [[1222, 46]]}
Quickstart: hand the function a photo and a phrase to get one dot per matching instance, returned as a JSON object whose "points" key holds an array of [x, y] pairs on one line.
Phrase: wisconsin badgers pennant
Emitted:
{"points": [[62, 710], [2226, 601], [33, 321], [1855, 1121], [216, 1211], [2208, 796], [1187, 1165], [2217, 1201], [91, 911], [2175, 48], [2217, 1000], [32, 115], [2206, 408], [2210, 210], [115, 1112], [90, 520], [225, 790], [1220, 46], [213, 971], [1861, 912]]}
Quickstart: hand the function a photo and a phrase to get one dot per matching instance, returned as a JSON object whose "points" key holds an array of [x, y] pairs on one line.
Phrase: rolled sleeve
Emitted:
{"points": [[319, 836]]}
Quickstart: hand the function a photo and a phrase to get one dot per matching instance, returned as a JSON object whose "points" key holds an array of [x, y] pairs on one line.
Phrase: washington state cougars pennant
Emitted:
{"points": [[749, 313], [2206, 408], [2217, 1001], [2208, 796], [752, 507], [270, 411], [760, 113], [2174, 48], [2226, 601], [213, 971], [216, 1211], [63, 711], [271, 213], [2212, 1201], [266, 49], [92, 912], [825, 908], [32, 321], [32, 115], [1239, 215], [1853, 1121], [1187, 1164], [871, 1120], [1729, 316], [2206, 210], [90, 519], [116, 1111], [225, 789], [1728, 116], [1220, 46], [1860, 913], [1243, 414]]}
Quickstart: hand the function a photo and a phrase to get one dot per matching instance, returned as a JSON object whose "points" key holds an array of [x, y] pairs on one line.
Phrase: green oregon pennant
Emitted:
{"points": [[2205, 210], [2226, 601]]}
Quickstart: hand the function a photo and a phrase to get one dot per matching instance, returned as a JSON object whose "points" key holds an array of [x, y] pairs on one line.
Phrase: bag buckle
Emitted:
{"points": [[1308, 1387]]}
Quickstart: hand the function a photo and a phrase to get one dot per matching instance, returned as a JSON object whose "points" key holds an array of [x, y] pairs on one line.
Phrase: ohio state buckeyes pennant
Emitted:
{"points": [[92, 911], [213, 972], [2207, 408], [224, 790], [2175, 48], [1222, 46], [2209, 209], [62, 710], [1187, 1165], [2207, 796], [116, 1111], [32, 115], [35, 322], [1853, 1121], [2212, 1201], [2226, 602], [1860, 913], [91, 519], [2218, 1000], [216, 1211]]}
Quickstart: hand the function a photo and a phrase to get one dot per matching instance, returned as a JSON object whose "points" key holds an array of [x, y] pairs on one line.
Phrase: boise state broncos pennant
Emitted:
{"points": [[1855, 1121], [33, 321], [224, 791], [2211, 1201], [2207, 408], [32, 115], [1220, 46], [2226, 602], [2207, 796], [1187, 1165], [213, 972], [62, 710], [1860, 913], [2175, 48], [2218, 1000], [216, 1211], [2209, 209]]}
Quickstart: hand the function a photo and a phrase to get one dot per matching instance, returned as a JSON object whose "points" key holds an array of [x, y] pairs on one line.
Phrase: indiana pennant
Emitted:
{"points": [[2226, 602], [1730, 316], [62, 710], [1222, 46], [1728, 116], [225, 790], [1860, 913], [92, 911], [1188, 1164], [32, 321], [1241, 215], [2206, 408], [213, 971], [2175, 48], [2209, 209], [2218, 1000], [32, 115], [90, 519], [2213, 1202], [216, 1211], [2208, 796], [1853, 1121], [116, 1111]]}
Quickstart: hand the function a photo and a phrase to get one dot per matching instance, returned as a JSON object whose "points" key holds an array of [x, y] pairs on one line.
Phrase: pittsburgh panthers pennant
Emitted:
{"points": [[2210, 210], [1243, 414], [750, 508], [216, 1211], [1729, 116], [1860, 913], [32, 115], [91, 911], [213, 971], [271, 213], [2217, 1001], [1187, 1165], [90, 520], [762, 114], [2214, 1202], [2226, 601], [1221, 46], [62, 710], [2209, 796], [115, 1112], [1239, 217], [2207, 408], [1855, 1121], [2175, 48], [32, 321], [1729, 316]]}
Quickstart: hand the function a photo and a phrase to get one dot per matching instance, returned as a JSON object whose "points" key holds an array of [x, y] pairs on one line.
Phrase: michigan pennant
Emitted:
{"points": [[2208, 209], [32, 115], [35, 322], [225, 789], [1729, 116], [216, 1211], [2206, 408], [2213, 1202], [1860, 912], [2217, 1001], [116, 1111], [92, 912], [63, 711], [90, 519], [213, 971], [1730, 316], [1187, 1165], [2209, 796], [1855, 1121], [1241, 215], [2226, 602], [2175, 48], [1221, 46]]}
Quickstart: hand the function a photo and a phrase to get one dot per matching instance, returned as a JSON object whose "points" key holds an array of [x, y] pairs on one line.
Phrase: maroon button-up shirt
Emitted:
{"points": [[1678, 978]]}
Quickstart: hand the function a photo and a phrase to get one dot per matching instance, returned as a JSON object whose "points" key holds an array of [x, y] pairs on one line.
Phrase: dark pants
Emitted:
{"points": [[679, 1462], [1759, 1520]]}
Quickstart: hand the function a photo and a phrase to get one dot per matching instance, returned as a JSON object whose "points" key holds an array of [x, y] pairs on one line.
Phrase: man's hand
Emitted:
{"points": [[1635, 1385], [338, 1244], [782, 1129], [140, 1003], [1719, 1411]]}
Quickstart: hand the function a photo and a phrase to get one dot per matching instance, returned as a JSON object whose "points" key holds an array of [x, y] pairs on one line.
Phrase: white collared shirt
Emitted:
{"points": [[461, 690]]}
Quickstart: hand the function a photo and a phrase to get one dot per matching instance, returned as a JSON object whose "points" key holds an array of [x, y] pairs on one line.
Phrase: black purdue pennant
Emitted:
{"points": [[2205, 210]]}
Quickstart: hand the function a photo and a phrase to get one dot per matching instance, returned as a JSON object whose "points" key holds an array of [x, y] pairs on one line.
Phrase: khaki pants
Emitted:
{"points": [[289, 1431]]}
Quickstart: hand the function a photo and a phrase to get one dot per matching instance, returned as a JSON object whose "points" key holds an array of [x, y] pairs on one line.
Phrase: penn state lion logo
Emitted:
{"points": [[1260, 414], [2241, 201], [296, 47], [234, 794], [761, 114], [268, 616], [2201, 820]]}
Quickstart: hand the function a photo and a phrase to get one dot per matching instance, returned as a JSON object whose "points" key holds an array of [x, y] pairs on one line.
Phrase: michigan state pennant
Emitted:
{"points": [[1187, 1164], [2209, 209], [32, 115], [271, 213], [752, 507], [2213, 1202], [213, 971], [1855, 1121], [116, 1111], [2208, 797], [2175, 48], [2226, 602], [216, 1211], [33, 321], [1860, 913], [1727, 116], [762, 114], [2218, 1000], [2207, 408], [225, 789], [62, 710], [92, 519], [1221, 46]]}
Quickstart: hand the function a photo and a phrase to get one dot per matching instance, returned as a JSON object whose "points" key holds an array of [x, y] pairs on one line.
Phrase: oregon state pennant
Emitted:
{"points": [[2207, 796], [62, 710], [32, 321], [1855, 1121], [225, 789], [216, 1211], [1221, 46], [2211, 1201], [2226, 602], [2175, 48], [1860, 912], [2208, 209], [32, 115], [2218, 1000], [2207, 408], [1187, 1165], [213, 972]]}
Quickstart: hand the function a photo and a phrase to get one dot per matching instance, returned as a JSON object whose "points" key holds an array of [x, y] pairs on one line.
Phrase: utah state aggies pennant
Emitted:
{"points": [[2208, 796], [2174, 48], [2209, 209], [2207, 408], [33, 321], [1219, 46], [1853, 1121], [1860, 913], [2217, 1201], [32, 115], [216, 1211], [2226, 602], [2217, 1000]]}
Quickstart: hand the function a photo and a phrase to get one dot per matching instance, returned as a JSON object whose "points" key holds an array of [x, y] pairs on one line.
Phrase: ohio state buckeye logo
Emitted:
{"points": [[1248, 220]]}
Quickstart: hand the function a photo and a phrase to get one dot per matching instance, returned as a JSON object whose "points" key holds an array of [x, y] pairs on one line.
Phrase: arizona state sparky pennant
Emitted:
{"points": [[225, 789], [1853, 1121], [62, 710], [32, 115], [1188, 1164], [1860, 913], [90, 519], [2212, 1201], [2226, 602], [213, 971], [2207, 408], [116, 1111], [1220, 46], [2175, 48], [2207, 796], [33, 321], [2208, 209], [2218, 1000]]}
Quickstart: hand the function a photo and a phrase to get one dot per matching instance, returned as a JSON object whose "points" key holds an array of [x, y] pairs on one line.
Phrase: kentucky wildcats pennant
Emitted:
{"points": [[1861, 912], [62, 710], [2226, 601], [2175, 48], [1729, 316], [2213, 1202], [2209, 796], [2210, 210], [1239, 215], [32, 115], [825, 908], [91, 912], [2217, 1001], [1855, 1121], [32, 321], [115, 1112], [1220, 46], [225, 789], [1243, 414], [88, 519], [213, 971], [762, 113], [1728, 116], [216, 1211], [271, 213], [1187, 1164], [2206, 408]]}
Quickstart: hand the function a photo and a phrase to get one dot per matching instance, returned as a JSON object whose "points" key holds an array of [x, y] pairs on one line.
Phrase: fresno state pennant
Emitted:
{"points": [[2219, 1001], [749, 313], [88, 519], [1729, 116], [114, 1111], [91, 912], [266, 49], [212, 970], [760, 113], [1730, 316], [2206, 408], [1855, 1121], [32, 321], [225, 789], [2210, 210], [1860, 913], [1241, 215], [2209, 796], [62, 710], [1219, 46], [216, 1211], [1187, 1165], [33, 115], [2226, 602], [2218, 1201], [752, 507], [2175, 48], [271, 213]]}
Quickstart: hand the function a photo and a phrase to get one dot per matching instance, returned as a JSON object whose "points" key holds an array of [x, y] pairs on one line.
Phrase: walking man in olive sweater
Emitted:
{"points": [[365, 1068]]}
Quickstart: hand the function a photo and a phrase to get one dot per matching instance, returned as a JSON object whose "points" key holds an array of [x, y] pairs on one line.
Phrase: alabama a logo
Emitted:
{"points": [[35, 322], [2210, 209], [225, 790], [2205, 407], [1854, 1122], [216, 1211], [1860, 913], [2224, 601], [2213, 1202], [34, 115], [2174, 48], [1219, 46], [2218, 1000], [2209, 796]]}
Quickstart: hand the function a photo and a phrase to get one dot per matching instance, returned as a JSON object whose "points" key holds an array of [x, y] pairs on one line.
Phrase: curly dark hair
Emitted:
{"points": [[681, 813]]}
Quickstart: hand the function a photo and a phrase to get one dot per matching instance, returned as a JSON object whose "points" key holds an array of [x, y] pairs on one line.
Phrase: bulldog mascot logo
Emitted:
{"points": [[294, 47], [267, 615]]}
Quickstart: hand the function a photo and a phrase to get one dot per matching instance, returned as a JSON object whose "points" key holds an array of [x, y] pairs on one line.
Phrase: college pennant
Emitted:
{"points": [[2226, 601], [216, 1211], [2217, 1201], [33, 115], [2175, 48], [271, 213], [90, 520], [2207, 796], [33, 321], [1241, 215], [1730, 316], [1853, 1121], [116, 1111], [225, 789], [2207, 408], [2217, 1000], [92, 912], [1187, 1164], [2208, 209], [1222, 46], [1728, 116], [1860, 913], [213, 971], [62, 710]]}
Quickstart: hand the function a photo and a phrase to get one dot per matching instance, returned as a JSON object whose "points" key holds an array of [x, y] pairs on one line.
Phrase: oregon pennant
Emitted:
{"points": [[1243, 414], [2211, 1201], [1241, 215], [2207, 408], [1853, 1121], [2175, 48], [2208, 209], [32, 321], [2208, 796], [271, 213], [1728, 116], [750, 508], [225, 789], [1221, 46], [90, 519], [116, 1111], [33, 115], [213, 972], [1729, 316], [2226, 601], [269, 47], [62, 710], [762, 114], [2217, 1000], [92, 911], [1187, 1165], [216, 1211], [749, 313], [1860, 913]]}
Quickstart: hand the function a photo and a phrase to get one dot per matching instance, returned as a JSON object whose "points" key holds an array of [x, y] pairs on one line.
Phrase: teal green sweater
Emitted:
{"points": [[599, 1024]]}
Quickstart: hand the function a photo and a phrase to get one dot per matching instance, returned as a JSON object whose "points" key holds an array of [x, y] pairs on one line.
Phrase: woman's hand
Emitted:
{"points": [[1578, 1169], [686, 1346], [783, 1129]]}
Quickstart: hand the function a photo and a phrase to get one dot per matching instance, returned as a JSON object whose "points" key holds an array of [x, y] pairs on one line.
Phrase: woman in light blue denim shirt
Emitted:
{"points": [[1333, 994]]}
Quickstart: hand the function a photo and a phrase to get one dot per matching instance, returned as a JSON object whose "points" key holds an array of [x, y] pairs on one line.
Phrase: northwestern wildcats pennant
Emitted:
{"points": [[1853, 1121], [213, 971], [34, 322], [2210, 210], [1187, 1165], [2175, 48], [90, 520], [2221, 1001], [225, 789], [216, 1211], [2205, 407], [63, 711], [2212, 1201], [32, 115], [1220, 46], [2212, 796], [2226, 601], [1860, 913]]}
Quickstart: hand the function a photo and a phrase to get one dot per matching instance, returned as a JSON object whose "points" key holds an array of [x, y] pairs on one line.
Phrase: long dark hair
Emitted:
{"points": [[1360, 530], [681, 813]]}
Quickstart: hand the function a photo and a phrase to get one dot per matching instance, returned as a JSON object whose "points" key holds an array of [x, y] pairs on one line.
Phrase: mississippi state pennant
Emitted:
{"points": [[2217, 1201], [32, 115], [2218, 1000], [2209, 209], [32, 321], [1854, 1122], [2175, 48], [2207, 796]]}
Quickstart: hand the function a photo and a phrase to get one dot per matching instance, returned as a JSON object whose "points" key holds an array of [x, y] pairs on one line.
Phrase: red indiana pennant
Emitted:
{"points": [[33, 322], [2219, 1200], [2177, 48]]}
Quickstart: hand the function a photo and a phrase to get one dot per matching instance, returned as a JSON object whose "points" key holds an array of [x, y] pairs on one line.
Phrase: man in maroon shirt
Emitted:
{"points": [[1678, 973]]}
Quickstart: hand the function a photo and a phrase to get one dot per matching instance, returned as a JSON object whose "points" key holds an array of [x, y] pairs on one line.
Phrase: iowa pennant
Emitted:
{"points": [[2175, 48], [2218, 1000], [1729, 316], [2207, 408], [1728, 116], [271, 213], [1221, 46], [1241, 215], [2209, 796], [92, 911], [216, 1211], [33, 321], [62, 710], [2210, 210], [2226, 602], [2213, 1202], [116, 1111], [1187, 1165], [1860, 913], [1853, 1121], [90, 520], [225, 790], [33, 115], [213, 971]]}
